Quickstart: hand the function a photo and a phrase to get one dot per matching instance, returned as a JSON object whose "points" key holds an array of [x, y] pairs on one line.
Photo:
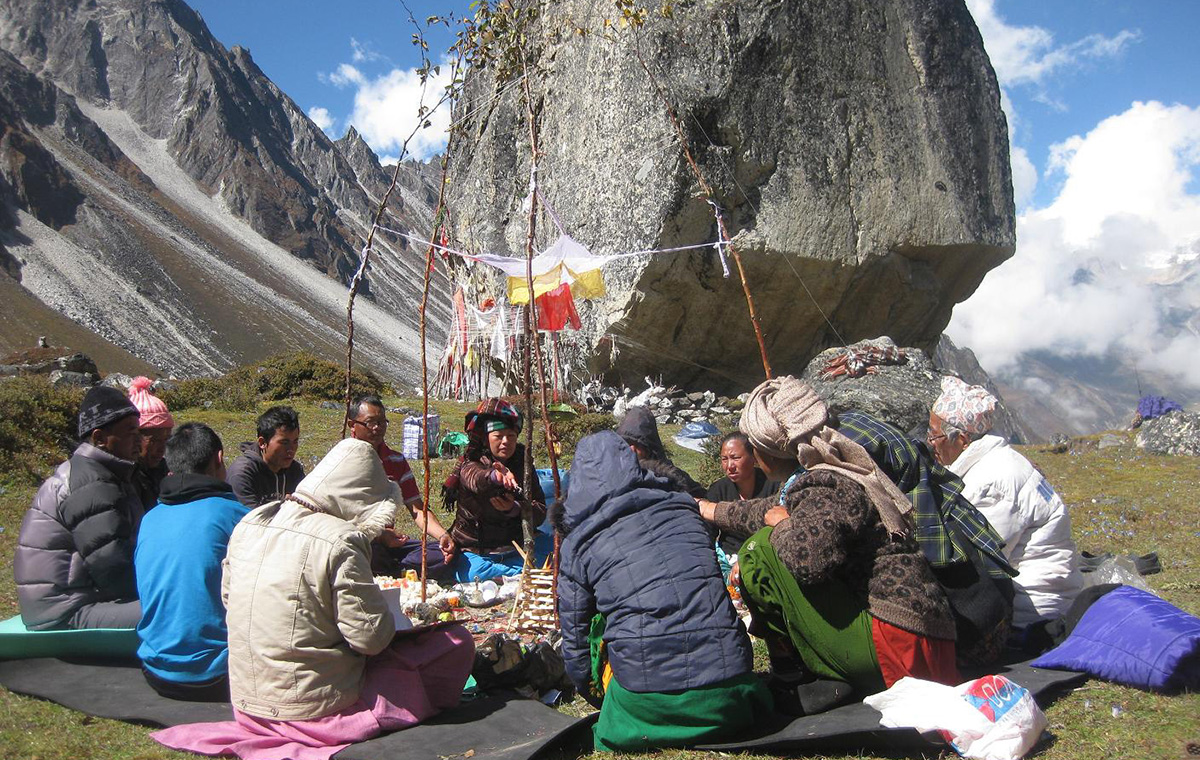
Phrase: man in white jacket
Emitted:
{"points": [[1015, 498]]}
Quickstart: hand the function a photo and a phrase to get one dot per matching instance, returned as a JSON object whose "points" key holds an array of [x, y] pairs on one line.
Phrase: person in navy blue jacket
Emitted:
{"points": [[649, 631]]}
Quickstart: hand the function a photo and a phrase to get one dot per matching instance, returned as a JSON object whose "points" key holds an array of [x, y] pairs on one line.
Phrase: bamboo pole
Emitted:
{"points": [[530, 336], [438, 220]]}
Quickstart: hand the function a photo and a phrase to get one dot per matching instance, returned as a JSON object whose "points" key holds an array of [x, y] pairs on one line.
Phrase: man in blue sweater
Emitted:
{"points": [[178, 558]]}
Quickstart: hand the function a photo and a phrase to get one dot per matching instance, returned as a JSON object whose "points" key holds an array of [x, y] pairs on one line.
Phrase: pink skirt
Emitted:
{"points": [[404, 684]]}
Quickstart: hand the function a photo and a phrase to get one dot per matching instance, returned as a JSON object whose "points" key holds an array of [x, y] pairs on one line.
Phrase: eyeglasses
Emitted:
{"points": [[372, 424], [933, 439]]}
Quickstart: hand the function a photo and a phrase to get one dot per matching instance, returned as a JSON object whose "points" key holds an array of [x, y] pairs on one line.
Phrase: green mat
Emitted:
{"points": [[17, 642]]}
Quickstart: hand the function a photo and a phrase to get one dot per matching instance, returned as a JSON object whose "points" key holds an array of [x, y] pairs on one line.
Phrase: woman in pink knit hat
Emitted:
{"points": [[155, 423]]}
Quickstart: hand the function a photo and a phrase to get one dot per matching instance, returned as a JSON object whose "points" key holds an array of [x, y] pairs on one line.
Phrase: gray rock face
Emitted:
{"points": [[64, 379], [153, 185], [858, 150], [44, 362], [118, 380], [1175, 433], [901, 394]]}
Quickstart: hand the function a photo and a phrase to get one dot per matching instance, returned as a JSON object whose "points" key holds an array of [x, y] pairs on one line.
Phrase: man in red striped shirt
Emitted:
{"points": [[393, 552]]}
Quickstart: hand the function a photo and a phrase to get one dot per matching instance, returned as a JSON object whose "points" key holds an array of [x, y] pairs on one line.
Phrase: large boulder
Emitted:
{"points": [[900, 384], [1174, 433], [857, 148], [49, 360]]}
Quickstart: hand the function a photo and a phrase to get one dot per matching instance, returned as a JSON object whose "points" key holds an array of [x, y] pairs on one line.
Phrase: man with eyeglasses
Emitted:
{"points": [[394, 553], [1017, 500]]}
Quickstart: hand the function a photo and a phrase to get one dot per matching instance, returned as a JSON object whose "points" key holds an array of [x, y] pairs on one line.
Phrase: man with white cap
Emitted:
{"points": [[1015, 498]]}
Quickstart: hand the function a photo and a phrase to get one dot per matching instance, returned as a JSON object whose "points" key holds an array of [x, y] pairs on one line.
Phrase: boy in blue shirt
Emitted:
{"points": [[182, 542]]}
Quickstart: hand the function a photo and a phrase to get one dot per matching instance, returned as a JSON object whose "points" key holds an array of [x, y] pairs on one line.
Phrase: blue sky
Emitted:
{"points": [[1153, 55], [304, 45], [300, 43], [1103, 100]]}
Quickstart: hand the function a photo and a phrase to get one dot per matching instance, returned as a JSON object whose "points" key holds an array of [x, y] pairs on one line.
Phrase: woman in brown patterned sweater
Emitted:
{"points": [[831, 569]]}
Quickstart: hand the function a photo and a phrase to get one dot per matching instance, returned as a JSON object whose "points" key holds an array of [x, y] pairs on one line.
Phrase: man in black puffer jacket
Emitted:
{"points": [[638, 565], [74, 558]]}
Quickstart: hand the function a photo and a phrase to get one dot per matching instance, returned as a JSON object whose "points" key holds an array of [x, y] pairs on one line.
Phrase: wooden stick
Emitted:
{"points": [[532, 336], [524, 558], [530, 312], [438, 219]]}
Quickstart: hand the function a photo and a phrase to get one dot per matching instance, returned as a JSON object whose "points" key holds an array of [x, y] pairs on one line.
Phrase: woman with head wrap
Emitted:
{"points": [[485, 491], [831, 570]]}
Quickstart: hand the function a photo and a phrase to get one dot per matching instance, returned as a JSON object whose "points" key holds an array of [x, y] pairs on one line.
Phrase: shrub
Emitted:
{"points": [[209, 392], [710, 467], [304, 375], [37, 426], [570, 429], [295, 375]]}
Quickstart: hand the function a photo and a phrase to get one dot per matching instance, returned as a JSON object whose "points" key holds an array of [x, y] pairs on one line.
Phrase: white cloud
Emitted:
{"points": [[386, 112], [1024, 177], [1080, 280], [345, 76], [322, 118], [1030, 55], [361, 53]]}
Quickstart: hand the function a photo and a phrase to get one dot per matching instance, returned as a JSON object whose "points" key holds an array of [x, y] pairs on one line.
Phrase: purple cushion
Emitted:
{"points": [[1133, 637]]}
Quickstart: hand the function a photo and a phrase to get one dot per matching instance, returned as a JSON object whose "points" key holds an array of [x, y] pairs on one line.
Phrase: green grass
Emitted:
{"points": [[1121, 500]]}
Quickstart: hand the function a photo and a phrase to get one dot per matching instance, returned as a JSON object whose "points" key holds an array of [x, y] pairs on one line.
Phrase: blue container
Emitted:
{"points": [[546, 479]]}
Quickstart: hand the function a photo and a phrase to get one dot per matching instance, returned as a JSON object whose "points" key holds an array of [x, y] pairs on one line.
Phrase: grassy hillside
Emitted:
{"points": [[1121, 500]]}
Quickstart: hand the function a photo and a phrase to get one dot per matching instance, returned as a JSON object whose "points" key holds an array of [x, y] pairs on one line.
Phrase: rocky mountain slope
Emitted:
{"points": [[857, 149], [160, 191], [1079, 395]]}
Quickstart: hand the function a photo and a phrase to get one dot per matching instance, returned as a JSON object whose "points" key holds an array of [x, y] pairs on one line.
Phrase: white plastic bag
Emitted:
{"points": [[990, 718]]}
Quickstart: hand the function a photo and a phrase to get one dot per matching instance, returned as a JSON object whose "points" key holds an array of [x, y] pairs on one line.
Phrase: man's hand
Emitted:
{"points": [[391, 539], [735, 575], [708, 509], [449, 549], [775, 515]]}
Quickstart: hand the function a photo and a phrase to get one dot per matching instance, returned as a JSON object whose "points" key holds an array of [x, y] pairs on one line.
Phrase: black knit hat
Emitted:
{"points": [[639, 427], [101, 406]]}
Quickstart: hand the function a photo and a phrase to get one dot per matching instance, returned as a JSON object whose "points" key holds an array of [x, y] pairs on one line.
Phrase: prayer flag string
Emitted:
{"points": [[719, 244]]}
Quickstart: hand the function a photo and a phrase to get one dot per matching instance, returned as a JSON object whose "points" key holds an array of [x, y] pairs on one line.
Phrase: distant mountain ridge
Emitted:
{"points": [[1056, 391], [162, 192]]}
